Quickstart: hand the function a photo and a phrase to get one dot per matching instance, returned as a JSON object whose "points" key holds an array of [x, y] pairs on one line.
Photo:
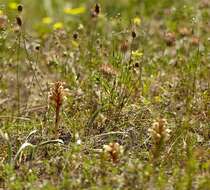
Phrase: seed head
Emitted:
{"points": [[75, 35], [20, 8], [133, 34], [137, 64], [37, 47], [19, 21], [170, 38]]}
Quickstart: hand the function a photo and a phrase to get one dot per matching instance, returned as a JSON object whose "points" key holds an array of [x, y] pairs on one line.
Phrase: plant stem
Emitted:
{"points": [[17, 74], [57, 119]]}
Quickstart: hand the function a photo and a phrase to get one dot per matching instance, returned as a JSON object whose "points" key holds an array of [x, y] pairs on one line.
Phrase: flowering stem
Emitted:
{"points": [[57, 119], [17, 73]]}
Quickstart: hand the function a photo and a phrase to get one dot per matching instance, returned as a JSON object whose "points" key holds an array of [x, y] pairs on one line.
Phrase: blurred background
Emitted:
{"points": [[42, 15]]}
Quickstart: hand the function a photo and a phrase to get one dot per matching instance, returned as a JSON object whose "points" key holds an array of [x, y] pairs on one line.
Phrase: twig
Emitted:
{"points": [[20, 118], [109, 133]]}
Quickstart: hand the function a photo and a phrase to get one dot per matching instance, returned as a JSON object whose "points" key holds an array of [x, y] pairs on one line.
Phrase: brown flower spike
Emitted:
{"points": [[114, 150], [159, 131], [159, 134], [56, 96]]}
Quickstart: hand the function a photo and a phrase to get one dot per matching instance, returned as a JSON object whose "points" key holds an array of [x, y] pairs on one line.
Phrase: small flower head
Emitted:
{"points": [[20, 8], [58, 26], [37, 47], [75, 35], [137, 54], [159, 131], [195, 41], [184, 31], [170, 38], [114, 150], [3, 21], [13, 5], [133, 34], [137, 21], [108, 70]]}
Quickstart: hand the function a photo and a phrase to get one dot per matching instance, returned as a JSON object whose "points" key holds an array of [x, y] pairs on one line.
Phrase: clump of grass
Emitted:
{"points": [[6, 139], [56, 96]]}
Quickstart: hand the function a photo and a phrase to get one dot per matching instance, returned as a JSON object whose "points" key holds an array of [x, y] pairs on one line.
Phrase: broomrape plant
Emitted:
{"points": [[113, 150], [159, 135], [56, 96]]}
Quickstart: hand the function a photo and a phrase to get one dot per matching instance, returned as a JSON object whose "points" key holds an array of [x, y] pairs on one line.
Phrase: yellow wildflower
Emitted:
{"points": [[137, 54], [47, 20], [1, 12], [13, 5], [137, 21], [58, 25], [158, 99], [75, 44], [74, 11]]}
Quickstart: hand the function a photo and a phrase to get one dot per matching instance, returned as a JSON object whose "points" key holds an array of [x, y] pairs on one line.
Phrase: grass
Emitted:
{"points": [[113, 95]]}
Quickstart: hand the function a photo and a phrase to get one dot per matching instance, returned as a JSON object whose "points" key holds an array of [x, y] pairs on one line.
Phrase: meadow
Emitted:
{"points": [[104, 95]]}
